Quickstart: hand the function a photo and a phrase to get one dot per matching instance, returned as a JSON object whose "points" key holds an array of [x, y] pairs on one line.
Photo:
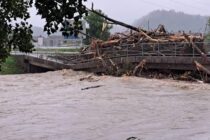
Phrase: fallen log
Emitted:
{"points": [[200, 67], [89, 79], [92, 87], [133, 138], [111, 43], [139, 66], [116, 68], [115, 21], [190, 40], [141, 31]]}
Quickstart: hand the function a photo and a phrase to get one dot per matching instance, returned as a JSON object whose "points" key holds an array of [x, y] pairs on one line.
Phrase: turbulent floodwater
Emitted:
{"points": [[52, 106]]}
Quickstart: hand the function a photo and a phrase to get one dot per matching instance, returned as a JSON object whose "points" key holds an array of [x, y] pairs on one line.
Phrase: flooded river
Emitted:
{"points": [[53, 106]]}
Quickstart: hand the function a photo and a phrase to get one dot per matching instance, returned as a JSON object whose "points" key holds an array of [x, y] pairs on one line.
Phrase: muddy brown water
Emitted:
{"points": [[52, 106]]}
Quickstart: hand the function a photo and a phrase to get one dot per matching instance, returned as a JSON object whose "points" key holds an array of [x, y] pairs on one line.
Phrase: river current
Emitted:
{"points": [[67, 105]]}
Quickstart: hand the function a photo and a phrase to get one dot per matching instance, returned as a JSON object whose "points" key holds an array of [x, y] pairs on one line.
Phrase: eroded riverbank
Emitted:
{"points": [[53, 106]]}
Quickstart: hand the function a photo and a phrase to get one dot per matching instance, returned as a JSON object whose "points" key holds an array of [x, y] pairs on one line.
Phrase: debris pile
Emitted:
{"points": [[148, 43], [157, 42], [112, 56]]}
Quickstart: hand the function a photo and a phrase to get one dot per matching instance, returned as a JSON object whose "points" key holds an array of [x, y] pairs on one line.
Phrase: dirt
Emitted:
{"points": [[53, 106]]}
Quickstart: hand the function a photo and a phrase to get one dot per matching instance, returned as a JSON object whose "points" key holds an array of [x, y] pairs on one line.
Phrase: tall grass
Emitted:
{"points": [[11, 67]]}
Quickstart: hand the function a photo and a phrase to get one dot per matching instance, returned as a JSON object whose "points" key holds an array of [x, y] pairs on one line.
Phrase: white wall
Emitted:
{"points": [[40, 41]]}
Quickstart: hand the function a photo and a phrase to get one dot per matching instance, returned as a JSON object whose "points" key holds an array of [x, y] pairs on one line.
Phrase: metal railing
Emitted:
{"points": [[124, 50], [156, 49]]}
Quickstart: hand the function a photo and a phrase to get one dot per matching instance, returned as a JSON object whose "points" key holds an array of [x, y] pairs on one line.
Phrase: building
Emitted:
{"points": [[51, 41], [61, 41], [76, 40]]}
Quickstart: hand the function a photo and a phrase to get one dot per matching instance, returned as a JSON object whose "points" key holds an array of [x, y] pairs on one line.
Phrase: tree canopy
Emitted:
{"points": [[98, 27], [12, 33], [15, 31], [207, 36]]}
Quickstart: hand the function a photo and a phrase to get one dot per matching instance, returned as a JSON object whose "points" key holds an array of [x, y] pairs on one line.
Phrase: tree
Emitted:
{"points": [[208, 31], [58, 12], [15, 31], [13, 34], [207, 36], [98, 27]]}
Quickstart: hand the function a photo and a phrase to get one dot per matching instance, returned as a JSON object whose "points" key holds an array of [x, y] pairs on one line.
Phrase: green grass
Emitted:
{"points": [[58, 50], [10, 67]]}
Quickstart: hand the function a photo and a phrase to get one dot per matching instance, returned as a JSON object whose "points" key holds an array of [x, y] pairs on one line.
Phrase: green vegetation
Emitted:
{"points": [[10, 66], [58, 50], [16, 32], [207, 37], [98, 27]]}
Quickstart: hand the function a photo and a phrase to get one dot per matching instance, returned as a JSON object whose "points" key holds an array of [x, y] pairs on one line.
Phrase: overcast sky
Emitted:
{"points": [[131, 10]]}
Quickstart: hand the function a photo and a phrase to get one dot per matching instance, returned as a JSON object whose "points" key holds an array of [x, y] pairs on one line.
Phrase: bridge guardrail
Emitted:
{"points": [[157, 50]]}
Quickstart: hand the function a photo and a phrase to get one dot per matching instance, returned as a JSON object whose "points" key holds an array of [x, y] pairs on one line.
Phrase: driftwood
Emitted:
{"points": [[92, 87], [190, 40], [187, 76], [140, 42], [109, 65], [116, 68], [159, 37], [133, 138], [135, 43], [200, 67], [204, 72], [139, 66], [157, 42], [110, 43], [89, 79]]}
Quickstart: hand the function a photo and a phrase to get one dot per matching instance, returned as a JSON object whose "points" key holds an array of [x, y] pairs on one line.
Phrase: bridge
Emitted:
{"points": [[41, 62]]}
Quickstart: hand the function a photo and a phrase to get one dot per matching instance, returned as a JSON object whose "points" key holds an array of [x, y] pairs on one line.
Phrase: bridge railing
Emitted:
{"points": [[156, 49], [126, 50]]}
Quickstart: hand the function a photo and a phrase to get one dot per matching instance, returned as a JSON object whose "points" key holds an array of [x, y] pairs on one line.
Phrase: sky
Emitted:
{"points": [[130, 10]]}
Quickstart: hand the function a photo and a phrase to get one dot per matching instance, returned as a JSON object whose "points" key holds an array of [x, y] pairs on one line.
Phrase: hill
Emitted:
{"points": [[173, 21]]}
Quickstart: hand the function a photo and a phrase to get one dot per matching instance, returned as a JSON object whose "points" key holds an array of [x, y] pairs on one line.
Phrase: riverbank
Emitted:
{"points": [[54, 105], [11, 67]]}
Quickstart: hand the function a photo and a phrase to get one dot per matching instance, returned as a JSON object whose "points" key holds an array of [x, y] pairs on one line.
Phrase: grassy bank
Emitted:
{"points": [[10, 67], [58, 50]]}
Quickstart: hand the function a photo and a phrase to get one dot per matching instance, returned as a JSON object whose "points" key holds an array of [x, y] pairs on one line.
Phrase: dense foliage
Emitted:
{"points": [[15, 31], [12, 33], [98, 27], [58, 12], [208, 32]]}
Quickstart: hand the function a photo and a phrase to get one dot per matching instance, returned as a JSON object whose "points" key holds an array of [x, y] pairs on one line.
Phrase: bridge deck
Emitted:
{"points": [[96, 65], [152, 62]]}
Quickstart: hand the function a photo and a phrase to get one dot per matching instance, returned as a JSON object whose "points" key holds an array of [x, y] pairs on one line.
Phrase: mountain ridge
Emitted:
{"points": [[173, 21]]}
